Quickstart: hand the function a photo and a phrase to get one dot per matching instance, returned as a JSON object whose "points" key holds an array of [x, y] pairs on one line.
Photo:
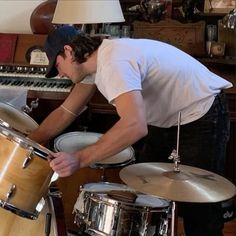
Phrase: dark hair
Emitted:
{"points": [[83, 46]]}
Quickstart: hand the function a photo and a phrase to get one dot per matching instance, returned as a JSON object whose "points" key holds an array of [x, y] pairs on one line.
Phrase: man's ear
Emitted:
{"points": [[68, 48]]}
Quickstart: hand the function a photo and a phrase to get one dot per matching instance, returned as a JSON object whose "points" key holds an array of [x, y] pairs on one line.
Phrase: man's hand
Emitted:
{"points": [[65, 164]]}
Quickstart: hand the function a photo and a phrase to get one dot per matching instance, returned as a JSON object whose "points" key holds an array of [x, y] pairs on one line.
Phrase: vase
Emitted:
{"points": [[41, 17]]}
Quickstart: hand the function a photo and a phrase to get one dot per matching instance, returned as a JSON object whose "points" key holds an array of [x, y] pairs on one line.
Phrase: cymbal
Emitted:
{"points": [[189, 184]]}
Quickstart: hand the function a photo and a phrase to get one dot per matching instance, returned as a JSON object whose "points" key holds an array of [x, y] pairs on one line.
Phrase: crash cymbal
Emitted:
{"points": [[190, 184]]}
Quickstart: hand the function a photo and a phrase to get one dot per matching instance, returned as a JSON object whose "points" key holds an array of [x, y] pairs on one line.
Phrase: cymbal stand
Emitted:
{"points": [[176, 159], [173, 218], [175, 153], [103, 176]]}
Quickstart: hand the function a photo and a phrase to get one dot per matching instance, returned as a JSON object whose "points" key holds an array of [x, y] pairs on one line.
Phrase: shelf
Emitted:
{"points": [[225, 61]]}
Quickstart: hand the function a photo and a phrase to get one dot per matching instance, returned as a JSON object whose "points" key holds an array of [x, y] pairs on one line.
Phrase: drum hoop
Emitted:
{"points": [[116, 165], [22, 142], [4, 123], [99, 197], [15, 210]]}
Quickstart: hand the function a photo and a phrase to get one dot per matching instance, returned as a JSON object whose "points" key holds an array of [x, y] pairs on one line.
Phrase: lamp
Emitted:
{"points": [[87, 12]]}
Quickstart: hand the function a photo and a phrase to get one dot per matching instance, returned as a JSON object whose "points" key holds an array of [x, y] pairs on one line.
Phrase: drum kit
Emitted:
{"points": [[106, 209], [144, 205]]}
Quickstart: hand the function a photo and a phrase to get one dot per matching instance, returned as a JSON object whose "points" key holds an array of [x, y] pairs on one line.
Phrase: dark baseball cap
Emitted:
{"points": [[55, 43]]}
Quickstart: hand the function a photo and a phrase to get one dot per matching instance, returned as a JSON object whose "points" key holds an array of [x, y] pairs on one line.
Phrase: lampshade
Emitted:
{"points": [[87, 12]]}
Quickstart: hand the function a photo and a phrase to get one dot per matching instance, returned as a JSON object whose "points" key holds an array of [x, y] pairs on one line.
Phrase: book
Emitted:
{"points": [[7, 47]]}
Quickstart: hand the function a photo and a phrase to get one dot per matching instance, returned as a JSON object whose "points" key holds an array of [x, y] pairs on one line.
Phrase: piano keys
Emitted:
{"points": [[31, 78], [52, 85]]}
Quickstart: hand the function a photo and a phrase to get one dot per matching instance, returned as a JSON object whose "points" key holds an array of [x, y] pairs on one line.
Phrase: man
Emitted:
{"points": [[149, 83]]}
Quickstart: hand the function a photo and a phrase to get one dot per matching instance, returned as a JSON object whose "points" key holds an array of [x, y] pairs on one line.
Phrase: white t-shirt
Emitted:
{"points": [[170, 80]]}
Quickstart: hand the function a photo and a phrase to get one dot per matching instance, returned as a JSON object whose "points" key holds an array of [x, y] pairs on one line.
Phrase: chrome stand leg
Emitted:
{"points": [[173, 219], [103, 177]]}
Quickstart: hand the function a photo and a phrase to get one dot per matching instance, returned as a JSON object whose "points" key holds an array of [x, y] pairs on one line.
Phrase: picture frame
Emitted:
{"points": [[219, 6]]}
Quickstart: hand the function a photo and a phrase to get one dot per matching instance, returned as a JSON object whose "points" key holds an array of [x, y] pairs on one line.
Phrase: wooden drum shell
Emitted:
{"points": [[12, 224], [31, 183]]}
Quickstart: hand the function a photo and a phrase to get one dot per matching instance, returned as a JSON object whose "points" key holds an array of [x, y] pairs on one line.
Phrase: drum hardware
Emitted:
{"points": [[175, 153], [163, 230], [8, 195], [48, 224], [57, 194], [173, 215], [176, 159], [29, 215], [3, 123], [34, 104], [29, 157]]}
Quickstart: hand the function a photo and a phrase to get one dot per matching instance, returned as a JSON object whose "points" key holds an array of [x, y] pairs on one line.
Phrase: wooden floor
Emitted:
{"points": [[229, 229]]}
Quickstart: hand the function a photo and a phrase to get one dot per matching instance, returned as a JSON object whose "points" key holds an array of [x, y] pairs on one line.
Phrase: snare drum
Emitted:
{"points": [[12, 225], [15, 119], [74, 141], [99, 214], [25, 174]]}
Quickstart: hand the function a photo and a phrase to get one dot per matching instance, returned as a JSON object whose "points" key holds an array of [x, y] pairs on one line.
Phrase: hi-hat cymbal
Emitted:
{"points": [[190, 184]]}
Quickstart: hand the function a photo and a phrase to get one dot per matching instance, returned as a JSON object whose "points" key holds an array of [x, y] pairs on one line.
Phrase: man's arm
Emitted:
{"points": [[64, 115], [131, 127]]}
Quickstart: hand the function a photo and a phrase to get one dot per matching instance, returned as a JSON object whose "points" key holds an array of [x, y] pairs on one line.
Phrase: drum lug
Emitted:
{"points": [[9, 194], [56, 194], [80, 219], [163, 230], [34, 104], [28, 158]]}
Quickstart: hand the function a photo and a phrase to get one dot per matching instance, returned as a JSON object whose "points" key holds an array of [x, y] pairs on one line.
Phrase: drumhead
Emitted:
{"points": [[105, 187], [24, 142], [17, 120], [151, 201], [75, 141]]}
